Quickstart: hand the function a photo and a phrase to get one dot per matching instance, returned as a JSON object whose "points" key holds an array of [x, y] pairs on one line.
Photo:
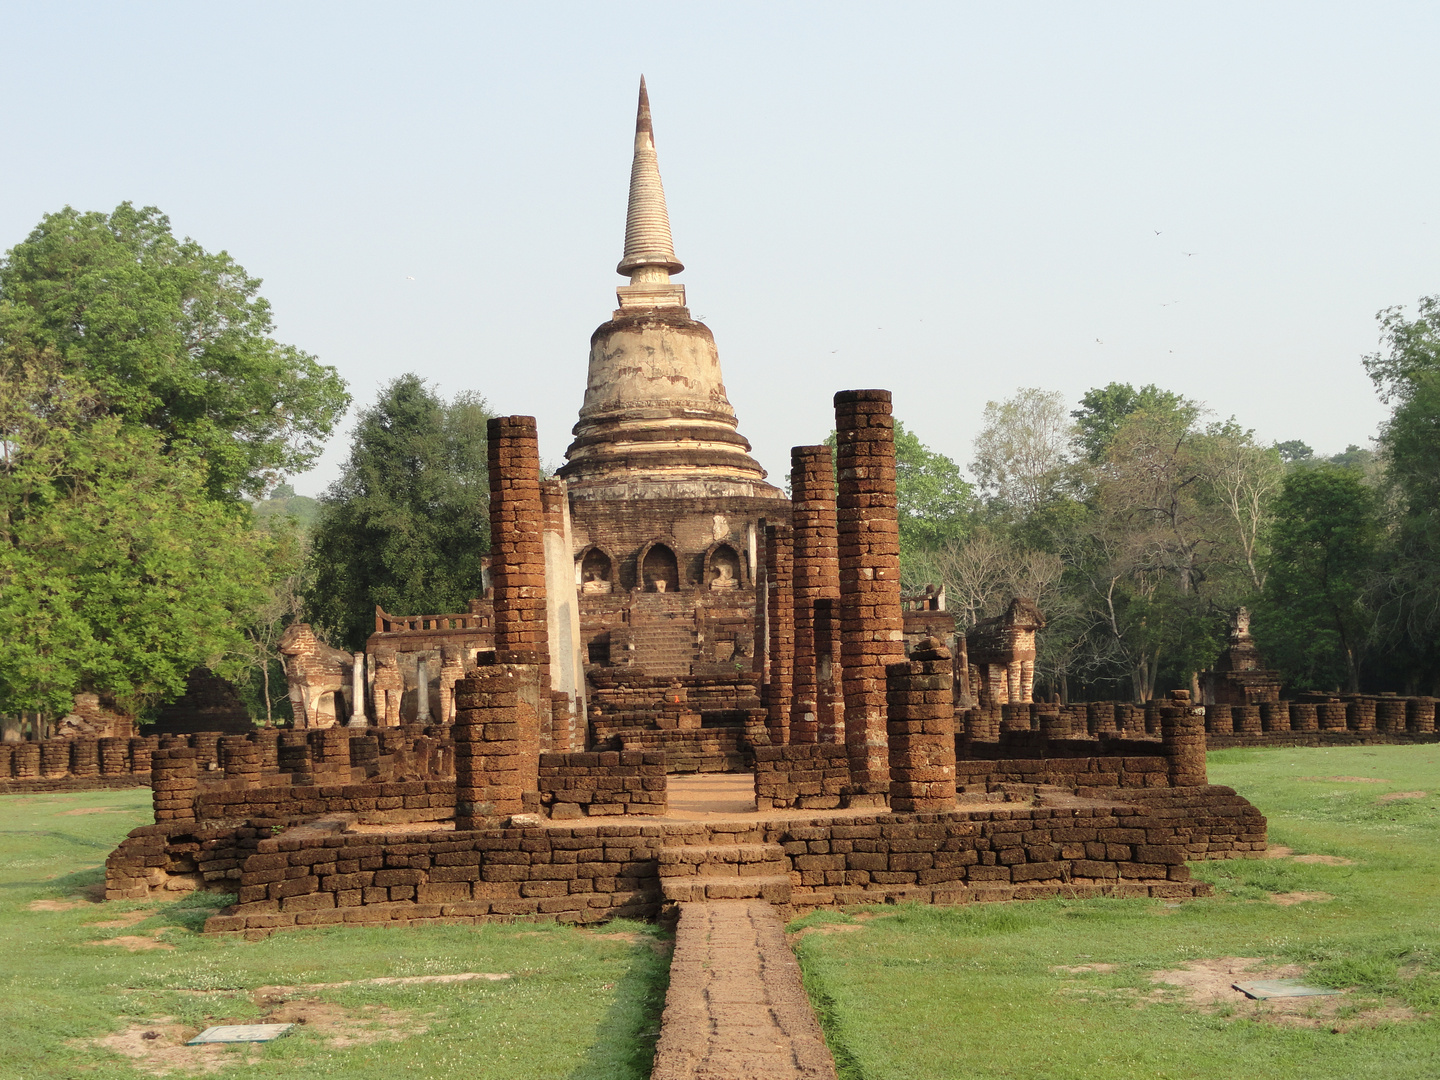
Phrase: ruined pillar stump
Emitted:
{"points": [[919, 698], [490, 755], [871, 625], [173, 780], [1182, 733]]}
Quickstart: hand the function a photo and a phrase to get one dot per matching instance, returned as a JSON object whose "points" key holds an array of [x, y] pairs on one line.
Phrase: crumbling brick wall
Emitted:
{"points": [[602, 784], [805, 776]]}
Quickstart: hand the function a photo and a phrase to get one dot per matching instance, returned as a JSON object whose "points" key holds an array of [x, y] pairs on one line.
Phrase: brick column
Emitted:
{"points": [[54, 758], [85, 757], [1331, 715], [871, 627], [517, 563], [1182, 732], [829, 701], [173, 779], [114, 757], [920, 721], [1420, 714], [488, 748], [780, 611], [242, 759], [26, 765], [1303, 717], [817, 577]]}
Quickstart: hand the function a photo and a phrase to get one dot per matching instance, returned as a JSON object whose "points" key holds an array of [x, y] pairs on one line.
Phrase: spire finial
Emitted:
{"points": [[649, 251]]}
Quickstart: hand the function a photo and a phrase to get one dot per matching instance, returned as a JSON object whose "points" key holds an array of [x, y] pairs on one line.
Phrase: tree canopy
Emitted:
{"points": [[406, 523], [169, 337], [140, 393]]}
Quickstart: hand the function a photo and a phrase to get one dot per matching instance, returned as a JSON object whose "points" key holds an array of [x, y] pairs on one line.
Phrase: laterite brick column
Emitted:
{"points": [[488, 748], [173, 779], [242, 759], [780, 610], [871, 626], [1420, 714], [920, 706], [54, 758], [114, 757], [817, 577], [517, 569], [1182, 733]]}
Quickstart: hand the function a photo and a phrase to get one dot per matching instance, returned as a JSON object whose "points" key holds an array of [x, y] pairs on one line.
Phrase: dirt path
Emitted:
{"points": [[736, 1008]]}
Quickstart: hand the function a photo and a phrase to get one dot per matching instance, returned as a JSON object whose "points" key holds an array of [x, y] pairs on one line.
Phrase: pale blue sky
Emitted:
{"points": [[951, 201]]}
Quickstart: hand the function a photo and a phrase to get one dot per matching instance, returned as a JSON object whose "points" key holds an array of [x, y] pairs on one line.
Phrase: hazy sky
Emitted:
{"points": [[951, 201]]}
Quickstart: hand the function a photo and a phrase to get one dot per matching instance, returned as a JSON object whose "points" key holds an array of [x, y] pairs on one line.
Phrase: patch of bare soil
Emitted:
{"points": [[158, 1048], [1393, 795], [1347, 779], [1280, 851], [1210, 985], [128, 919], [132, 943], [1079, 969], [94, 810], [339, 1027], [58, 905], [1286, 899], [273, 994]]}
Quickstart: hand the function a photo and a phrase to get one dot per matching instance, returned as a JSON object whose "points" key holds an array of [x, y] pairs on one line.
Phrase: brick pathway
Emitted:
{"points": [[736, 1009]]}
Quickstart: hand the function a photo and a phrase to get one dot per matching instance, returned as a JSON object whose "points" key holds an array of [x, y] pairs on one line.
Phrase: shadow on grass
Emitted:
{"points": [[191, 911], [85, 882], [624, 1048]]}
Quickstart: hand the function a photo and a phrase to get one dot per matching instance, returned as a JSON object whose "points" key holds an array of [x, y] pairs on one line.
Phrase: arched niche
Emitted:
{"points": [[594, 571], [723, 567], [658, 570]]}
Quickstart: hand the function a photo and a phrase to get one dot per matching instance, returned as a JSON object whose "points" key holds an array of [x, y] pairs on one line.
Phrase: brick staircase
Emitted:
{"points": [[715, 862]]}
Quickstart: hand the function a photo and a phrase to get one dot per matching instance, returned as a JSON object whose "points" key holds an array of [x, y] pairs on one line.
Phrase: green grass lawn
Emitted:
{"points": [[577, 1004], [980, 991]]}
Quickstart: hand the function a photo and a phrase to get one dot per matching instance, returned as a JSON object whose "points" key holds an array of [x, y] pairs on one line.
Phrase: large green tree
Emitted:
{"points": [[170, 337], [141, 392], [1104, 409], [1314, 621], [118, 574], [407, 522]]}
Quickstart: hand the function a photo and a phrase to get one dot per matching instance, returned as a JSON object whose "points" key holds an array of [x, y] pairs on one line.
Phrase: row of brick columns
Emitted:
{"points": [[841, 556]]}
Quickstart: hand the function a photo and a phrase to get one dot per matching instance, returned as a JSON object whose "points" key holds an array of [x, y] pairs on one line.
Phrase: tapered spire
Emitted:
{"points": [[649, 250]]}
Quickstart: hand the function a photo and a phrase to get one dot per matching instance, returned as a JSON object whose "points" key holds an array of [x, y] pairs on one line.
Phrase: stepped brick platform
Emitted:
{"points": [[1013, 843]]}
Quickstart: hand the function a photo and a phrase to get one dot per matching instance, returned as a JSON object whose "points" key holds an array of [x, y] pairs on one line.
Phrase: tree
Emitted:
{"points": [[1412, 350], [1022, 449], [172, 338], [1103, 410], [934, 501], [279, 602], [407, 522], [1326, 536], [118, 574]]}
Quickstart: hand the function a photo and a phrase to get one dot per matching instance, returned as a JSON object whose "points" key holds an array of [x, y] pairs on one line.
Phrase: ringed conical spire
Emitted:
{"points": [[649, 250]]}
